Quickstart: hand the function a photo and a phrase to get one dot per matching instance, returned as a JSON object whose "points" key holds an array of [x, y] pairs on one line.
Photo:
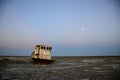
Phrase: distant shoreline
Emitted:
{"points": [[66, 56]]}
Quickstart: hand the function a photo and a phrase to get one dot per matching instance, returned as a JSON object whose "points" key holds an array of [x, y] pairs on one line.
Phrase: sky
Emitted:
{"points": [[71, 27]]}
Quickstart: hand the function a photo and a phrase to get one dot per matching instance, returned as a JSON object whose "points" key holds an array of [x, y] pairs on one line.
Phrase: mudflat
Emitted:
{"points": [[64, 68]]}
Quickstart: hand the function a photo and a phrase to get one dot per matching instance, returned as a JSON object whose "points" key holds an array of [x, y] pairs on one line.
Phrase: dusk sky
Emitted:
{"points": [[71, 27]]}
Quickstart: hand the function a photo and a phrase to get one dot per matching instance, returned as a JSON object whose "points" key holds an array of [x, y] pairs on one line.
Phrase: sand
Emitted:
{"points": [[64, 68]]}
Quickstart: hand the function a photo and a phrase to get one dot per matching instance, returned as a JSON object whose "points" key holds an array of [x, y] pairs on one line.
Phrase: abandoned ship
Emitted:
{"points": [[42, 54]]}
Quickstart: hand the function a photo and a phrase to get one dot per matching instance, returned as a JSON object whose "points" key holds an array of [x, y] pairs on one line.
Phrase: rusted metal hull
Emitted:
{"points": [[42, 61]]}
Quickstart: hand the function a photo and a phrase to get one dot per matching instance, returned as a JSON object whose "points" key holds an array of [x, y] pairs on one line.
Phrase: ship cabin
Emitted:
{"points": [[42, 52]]}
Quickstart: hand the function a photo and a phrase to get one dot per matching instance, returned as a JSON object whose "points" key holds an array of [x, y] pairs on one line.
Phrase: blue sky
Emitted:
{"points": [[72, 27]]}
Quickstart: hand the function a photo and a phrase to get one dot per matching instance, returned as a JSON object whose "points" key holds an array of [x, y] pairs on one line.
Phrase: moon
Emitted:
{"points": [[83, 29]]}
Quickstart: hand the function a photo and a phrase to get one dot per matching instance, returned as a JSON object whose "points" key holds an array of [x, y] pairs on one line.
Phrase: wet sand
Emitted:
{"points": [[64, 68]]}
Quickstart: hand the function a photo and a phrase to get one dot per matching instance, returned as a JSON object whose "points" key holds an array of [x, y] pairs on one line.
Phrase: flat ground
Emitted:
{"points": [[64, 68]]}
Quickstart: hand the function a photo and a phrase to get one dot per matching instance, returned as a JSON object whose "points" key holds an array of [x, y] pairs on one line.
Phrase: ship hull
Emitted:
{"points": [[42, 61]]}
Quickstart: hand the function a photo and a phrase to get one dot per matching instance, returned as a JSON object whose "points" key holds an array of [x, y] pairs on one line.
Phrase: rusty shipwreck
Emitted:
{"points": [[42, 54]]}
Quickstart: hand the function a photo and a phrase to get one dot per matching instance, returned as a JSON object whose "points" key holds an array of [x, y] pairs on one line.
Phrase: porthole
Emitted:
{"points": [[42, 47], [50, 48]]}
